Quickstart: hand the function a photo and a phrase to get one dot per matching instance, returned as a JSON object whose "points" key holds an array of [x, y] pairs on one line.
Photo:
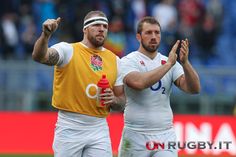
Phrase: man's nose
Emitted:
{"points": [[154, 35]]}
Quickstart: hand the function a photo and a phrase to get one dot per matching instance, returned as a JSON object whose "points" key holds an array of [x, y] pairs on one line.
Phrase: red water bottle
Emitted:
{"points": [[102, 84]]}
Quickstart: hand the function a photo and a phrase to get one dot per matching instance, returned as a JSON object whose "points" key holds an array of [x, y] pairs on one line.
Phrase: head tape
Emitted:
{"points": [[95, 20]]}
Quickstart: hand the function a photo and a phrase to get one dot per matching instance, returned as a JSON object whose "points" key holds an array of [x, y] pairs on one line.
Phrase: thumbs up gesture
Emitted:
{"points": [[50, 26]]}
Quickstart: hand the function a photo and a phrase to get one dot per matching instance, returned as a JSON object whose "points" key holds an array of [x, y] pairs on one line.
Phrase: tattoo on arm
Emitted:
{"points": [[52, 58]]}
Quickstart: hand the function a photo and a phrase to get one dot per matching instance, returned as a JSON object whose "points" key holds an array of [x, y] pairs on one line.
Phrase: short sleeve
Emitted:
{"points": [[65, 51], [119, 80], [128, 64], [177, 71]]}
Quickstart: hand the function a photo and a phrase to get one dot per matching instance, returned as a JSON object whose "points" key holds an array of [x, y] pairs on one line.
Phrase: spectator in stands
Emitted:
{"points": [[207, 31], [26, 30], [9, 35], [205, 35], [190, 14], [116, 39], [166, 13]]}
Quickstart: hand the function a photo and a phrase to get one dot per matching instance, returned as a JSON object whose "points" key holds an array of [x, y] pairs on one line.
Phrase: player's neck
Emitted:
{"points": [[90, 45], [150, 55]]}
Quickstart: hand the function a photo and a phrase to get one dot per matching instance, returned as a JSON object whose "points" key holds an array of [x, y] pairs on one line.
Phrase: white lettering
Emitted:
{"points": [[179, 129], [88, 88], [203, 133], [225, 133]]}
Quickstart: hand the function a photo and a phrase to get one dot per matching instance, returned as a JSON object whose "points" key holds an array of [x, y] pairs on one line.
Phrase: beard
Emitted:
{"points": [[149, 48], [95, 41]]}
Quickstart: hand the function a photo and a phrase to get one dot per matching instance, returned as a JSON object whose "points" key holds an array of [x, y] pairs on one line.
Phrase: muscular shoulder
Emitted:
{"points": [[132, 58], [62, 47], [109, 52], [131, 55]]}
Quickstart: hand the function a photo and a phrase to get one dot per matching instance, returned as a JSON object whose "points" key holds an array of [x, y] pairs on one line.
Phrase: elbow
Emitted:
{"points": [[35, 57], [196, 90], [136, 83]]}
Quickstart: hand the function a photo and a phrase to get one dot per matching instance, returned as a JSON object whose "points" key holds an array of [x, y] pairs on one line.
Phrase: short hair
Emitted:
{"points": [[92, 13], [147, 19]]}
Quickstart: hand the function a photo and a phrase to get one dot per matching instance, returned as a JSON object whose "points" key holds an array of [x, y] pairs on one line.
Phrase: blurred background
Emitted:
{"points": [[208, 24]]}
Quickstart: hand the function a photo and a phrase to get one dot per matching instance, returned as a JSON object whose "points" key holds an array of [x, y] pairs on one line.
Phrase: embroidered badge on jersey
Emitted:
{"points": [[96, 63], [142, 63], [163, 62]]}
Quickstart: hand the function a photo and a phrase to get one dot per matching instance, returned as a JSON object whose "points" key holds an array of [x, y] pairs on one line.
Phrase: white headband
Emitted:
{"points": [[95, 20]]}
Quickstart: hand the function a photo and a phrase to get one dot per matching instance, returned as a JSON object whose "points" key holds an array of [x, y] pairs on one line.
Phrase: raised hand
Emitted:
{"points": [[184, 51], [50, 26], [172, 55]]}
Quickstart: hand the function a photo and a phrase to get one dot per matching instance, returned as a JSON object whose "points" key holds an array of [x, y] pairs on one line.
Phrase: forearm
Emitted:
{"points": [[40, 48], [118, 103], [192, 81], [139, 81], [152, 77]]}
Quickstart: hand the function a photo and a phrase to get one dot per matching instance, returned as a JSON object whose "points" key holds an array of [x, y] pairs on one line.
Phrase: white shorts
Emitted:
{"points": [[134, 144], [74, 138]]}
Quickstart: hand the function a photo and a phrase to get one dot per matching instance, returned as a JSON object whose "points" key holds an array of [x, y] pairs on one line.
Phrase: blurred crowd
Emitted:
{"points": [[208, 24]]}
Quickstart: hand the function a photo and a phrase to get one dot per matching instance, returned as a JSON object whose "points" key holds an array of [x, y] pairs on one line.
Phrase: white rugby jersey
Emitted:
{"points": [[149, 110]]}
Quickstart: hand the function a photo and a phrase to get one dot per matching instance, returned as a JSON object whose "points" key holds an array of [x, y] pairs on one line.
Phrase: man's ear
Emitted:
{"points": [[84, 30], [138, 37]]}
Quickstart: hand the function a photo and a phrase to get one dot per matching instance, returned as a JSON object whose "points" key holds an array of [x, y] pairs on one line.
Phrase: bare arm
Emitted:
{"points": [[189, 82], [120, 100], [139, 81], [41, 52]]}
